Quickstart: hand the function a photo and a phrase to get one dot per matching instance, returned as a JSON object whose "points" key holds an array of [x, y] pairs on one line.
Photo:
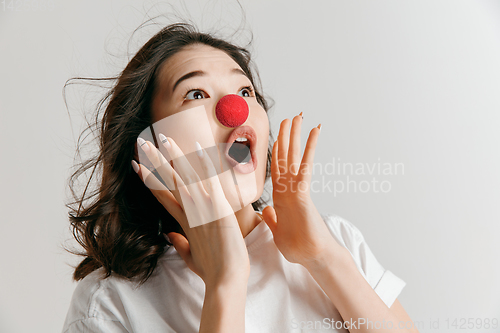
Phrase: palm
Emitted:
{"points": [[299, 232]]}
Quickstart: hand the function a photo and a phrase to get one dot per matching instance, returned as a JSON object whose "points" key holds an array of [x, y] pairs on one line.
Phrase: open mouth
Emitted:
{"points": [[240, 149]]}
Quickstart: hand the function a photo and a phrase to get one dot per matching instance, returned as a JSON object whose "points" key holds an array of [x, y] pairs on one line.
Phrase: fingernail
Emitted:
{"points": [[135, 166], [142, 143], [164, 140], [167, 238], [319, 126], [199, 152], [300, 114]]}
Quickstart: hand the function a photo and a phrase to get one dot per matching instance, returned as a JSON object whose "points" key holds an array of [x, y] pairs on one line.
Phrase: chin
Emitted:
{"points": [[260, 179], [248, 187]]}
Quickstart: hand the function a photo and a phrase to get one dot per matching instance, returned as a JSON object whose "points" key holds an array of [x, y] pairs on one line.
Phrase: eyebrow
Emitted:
{"points": [[202, 73]]}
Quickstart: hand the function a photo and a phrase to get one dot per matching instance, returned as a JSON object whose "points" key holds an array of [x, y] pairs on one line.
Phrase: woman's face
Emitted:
{"points": [[218, 75]]}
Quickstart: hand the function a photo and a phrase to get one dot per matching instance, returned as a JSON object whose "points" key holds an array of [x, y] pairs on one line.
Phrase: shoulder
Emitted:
{"points": [[95, 304], [350, 237], [346, 233], [386, 284], [85, 293]]}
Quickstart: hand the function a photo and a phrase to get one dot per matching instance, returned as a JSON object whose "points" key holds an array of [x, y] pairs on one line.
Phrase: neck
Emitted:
{"points": [[248, 219]]}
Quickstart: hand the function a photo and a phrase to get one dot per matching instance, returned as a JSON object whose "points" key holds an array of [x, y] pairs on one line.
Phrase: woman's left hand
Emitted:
{"points": [[299, 231]]}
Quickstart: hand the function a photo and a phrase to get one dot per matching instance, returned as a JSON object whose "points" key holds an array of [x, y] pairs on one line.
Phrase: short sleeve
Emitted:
{"points": [[387, 285], [95, 308]]}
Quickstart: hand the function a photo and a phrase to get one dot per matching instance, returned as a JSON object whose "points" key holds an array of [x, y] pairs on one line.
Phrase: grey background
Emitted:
{"points": [[412, 82]]}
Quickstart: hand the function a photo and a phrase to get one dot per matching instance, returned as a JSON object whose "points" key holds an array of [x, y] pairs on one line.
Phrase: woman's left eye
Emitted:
{"points": [[246, 92]]}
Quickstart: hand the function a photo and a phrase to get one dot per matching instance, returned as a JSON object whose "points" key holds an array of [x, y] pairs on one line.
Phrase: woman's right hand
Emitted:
{"points": [[214, 250]]}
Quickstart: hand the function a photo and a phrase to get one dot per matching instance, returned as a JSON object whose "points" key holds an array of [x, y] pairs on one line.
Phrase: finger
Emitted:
{"points": [[162, 166], [164, 196], [181, 164], [195, 209], [283, 138], [219, 206], [185, 198], [275, 172], [186, 172], [306, 165], [294, 148], [210, 180]]}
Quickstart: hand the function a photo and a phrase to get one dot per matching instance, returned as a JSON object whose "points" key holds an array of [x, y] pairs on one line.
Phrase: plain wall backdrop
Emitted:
{"points": [[409, 82]]}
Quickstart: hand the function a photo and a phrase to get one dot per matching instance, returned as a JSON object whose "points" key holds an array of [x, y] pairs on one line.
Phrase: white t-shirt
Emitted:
{"points": [[281, 296]]}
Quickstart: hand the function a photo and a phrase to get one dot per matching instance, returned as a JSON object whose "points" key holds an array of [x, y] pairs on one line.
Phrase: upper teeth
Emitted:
{"points": [[241, 139]]}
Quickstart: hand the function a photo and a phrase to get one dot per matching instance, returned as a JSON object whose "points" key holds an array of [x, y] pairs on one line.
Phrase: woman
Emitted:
{"points": [[227, 271]]}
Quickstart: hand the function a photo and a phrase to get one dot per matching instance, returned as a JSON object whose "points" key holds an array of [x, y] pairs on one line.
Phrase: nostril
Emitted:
{"points": [[231, 110]]}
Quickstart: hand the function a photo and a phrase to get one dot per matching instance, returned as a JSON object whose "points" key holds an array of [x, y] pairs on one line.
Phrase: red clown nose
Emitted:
{"points": [[231, 110]]}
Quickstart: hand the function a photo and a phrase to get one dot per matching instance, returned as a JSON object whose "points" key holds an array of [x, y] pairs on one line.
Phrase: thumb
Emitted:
{"points": [[181, 245], [269, 215]]}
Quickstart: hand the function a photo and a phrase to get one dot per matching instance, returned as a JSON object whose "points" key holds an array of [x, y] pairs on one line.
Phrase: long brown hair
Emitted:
{"points": [[121, 229]]}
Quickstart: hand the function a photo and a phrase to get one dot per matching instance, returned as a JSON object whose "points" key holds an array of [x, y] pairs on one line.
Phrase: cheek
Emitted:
{"points": [[263, 135], [263, 130]]}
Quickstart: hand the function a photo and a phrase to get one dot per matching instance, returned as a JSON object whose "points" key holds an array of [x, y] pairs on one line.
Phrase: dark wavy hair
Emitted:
{"points": [[120, 223]]}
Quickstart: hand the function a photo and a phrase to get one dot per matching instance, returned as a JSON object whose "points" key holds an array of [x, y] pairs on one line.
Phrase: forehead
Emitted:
{"points": [[191, 58]]}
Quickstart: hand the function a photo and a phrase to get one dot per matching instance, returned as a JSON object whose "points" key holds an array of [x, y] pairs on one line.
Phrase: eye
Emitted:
{"points": [[195, 94], [246, 91]]}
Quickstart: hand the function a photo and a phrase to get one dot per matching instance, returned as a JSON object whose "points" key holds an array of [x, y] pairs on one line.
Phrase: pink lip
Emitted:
{"points": [[243, 132]]}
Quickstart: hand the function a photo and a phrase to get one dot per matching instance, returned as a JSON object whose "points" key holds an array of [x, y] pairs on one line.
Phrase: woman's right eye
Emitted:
{"points": [[195, 94]]}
